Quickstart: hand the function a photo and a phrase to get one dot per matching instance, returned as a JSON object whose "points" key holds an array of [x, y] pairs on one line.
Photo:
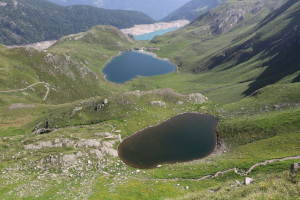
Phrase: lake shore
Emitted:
{"points": [[148, 28]]}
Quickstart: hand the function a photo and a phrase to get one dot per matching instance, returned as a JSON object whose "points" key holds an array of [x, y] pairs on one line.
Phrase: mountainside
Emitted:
{"points": [[68, 78], [274, 45], [192, 9], [48, 21], [157, 9], [61, 121], [212, 34]]}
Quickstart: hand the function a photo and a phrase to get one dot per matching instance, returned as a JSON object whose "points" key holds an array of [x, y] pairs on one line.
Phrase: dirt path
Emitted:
{"points": [[226, 171], [47, 86]]}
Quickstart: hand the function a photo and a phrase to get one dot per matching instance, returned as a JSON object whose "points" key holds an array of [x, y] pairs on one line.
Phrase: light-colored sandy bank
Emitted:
{"points": [[38, 46], [148, 28]]}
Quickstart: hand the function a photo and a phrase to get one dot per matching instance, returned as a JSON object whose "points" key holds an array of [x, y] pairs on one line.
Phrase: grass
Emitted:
{"points": [[252, 129]]}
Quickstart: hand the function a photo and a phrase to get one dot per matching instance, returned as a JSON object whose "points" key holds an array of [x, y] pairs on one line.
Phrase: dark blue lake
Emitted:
{"points": [[132, 64], [182, 138]]}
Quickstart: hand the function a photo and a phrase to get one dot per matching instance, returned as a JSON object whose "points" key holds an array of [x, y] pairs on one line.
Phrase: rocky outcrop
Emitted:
{"points": [[20, 106], [197, 98], [99, 106], [170, 95], [57, 143], [89, 143], [295, 172]]}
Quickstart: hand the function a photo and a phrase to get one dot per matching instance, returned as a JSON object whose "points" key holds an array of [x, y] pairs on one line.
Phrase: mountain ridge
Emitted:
{"points": [[49, 21], [192, 9]]}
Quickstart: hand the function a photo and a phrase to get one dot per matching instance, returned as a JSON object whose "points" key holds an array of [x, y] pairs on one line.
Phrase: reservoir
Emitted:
{"points": [[150, 36], [132, 64], [182, 138]]}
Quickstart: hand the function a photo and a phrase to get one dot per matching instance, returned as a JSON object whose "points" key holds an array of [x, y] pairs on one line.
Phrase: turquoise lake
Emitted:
{"points": [[130, 65], [150, 36]]}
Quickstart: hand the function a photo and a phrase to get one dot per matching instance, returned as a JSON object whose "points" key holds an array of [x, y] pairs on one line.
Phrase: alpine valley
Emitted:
{"points": [[62, 123]]}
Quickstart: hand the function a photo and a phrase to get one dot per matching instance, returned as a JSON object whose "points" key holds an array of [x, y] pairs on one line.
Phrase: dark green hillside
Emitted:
{"points": [[29, 21], [192, 9], [275, 42]]}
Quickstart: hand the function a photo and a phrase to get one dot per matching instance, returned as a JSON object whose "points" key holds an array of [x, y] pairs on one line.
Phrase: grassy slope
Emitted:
{"points": [[262, 126], [245, 69]]}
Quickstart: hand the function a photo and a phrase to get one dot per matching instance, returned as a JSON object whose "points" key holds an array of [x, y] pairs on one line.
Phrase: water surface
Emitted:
{"points": [[132, 64], [150, 36], [182, 138]]}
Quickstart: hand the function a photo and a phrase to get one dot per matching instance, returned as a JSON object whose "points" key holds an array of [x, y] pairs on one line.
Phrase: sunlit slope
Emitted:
{"points": [[227, 61], [71, 68]]}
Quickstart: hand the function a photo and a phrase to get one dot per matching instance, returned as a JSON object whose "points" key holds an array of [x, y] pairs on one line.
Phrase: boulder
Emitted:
{"points": [[197, 98], [295, 172], [158, 103], [248, 181], [105, 101]]}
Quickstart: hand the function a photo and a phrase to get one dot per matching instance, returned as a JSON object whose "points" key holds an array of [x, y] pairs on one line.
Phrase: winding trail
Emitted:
{"points": [[47, 86], [221, 172]]}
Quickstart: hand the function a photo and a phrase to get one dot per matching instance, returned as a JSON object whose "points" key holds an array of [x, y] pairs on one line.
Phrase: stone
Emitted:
{"points": [[75, 110], [95, 152], [89, 143], [179, 103], [98, 107], [295, 172], [248, 181], [79, 154], [158, 103], [105, 101], [197, 98], [68, 159], [104, 134]]}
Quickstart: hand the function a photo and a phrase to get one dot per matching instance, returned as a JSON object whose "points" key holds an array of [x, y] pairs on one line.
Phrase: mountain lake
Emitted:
{"points": [[132, 64], [150, 36], [182, 138]]}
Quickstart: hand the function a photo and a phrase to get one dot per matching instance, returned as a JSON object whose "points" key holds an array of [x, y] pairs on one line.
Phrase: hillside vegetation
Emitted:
{"points": [[61, 122], [234, 49], [48, 21], [156, 9]]}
